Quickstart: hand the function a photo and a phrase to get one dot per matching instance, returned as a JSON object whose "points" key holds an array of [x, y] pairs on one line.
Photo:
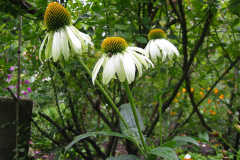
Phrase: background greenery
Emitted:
{"points": [[201, 85]]}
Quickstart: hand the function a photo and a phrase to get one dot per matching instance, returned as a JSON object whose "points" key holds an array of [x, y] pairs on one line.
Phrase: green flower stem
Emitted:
{"points": [[134, 113], [220, 137], [160, 99], [139, 148], [103, 91]]}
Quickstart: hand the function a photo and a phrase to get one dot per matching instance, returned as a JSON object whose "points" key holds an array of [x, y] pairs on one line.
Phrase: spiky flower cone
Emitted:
{"points": [[158, 46], [120, 61], [62, 37]]}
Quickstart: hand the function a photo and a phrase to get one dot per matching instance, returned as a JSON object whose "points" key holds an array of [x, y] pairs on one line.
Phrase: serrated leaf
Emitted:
{"points": [[127, 114], [230, 84], [124, 157], [187, 139], [141, 39], [164, 152]]}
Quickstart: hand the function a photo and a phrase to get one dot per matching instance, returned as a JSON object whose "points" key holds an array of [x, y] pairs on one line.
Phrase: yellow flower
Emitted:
{"points": [[192, 89], [173, 113], [178, 94], [183, 90], [175, 100], [209, 101], [208, 88], [221, 96], [201, 93], [212, 112], [216, 91]]}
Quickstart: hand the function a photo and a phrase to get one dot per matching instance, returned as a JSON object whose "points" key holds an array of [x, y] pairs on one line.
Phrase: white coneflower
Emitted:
{"points": [[62, 37], [121, 60], [160, 47]]}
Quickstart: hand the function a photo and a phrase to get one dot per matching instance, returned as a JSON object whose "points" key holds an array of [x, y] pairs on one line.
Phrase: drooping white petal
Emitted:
{"points": [[73, 41], [48, 50], [81, 40], [119, 67], [140, 50], [154, 51], [64, 44], [172, 47], [96, 68], [147, 48], [129, 67], [140, 58], [138, 64], [56, 46], [108, 71], [167, 48], [41, 47], [87, 38]]}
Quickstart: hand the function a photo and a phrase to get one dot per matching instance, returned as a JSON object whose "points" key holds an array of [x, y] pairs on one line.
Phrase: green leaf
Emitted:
{"points": [[164, 152], [21, 149], [85, 15], [124, 157], [169, 144], [201, 140], [3, 25], [204, 135], [126, 35], [127, 114], [187, 139], [230, 84], [121, 27], [172, 36], [234, 7], [146, 20], [78, 138], [141, 39], [125, 3]]}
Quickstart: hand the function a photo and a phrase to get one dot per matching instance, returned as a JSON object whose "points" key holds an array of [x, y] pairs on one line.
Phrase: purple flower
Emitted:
{"points": [[8, 79], [29, 89], [44, 79], [1, 71], [10, 87], [16, 96], [16, 86], [24, 93], [27, 81], [11, 69], [9, 76]]}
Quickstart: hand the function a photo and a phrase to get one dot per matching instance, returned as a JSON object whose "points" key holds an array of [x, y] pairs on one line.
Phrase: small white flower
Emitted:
{"points": [[62, 37], [187, 156], [160, 47], [120, 60]]}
